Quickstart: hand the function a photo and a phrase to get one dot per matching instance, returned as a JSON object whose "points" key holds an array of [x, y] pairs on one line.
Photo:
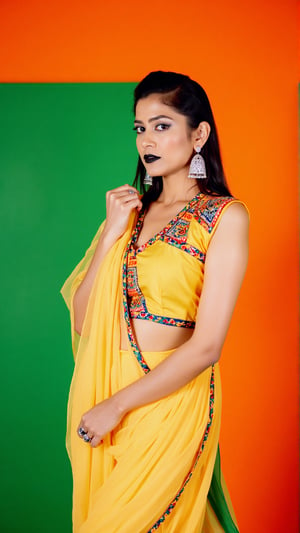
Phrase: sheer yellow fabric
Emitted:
{"points": [[144, 476]]}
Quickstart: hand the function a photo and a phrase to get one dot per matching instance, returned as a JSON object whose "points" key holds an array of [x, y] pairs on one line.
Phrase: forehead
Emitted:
{"points": [[152, 106]]}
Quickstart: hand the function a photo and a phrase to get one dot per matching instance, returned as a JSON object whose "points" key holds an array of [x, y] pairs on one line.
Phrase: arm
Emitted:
{"points": [[119, 204], [224, 271]]}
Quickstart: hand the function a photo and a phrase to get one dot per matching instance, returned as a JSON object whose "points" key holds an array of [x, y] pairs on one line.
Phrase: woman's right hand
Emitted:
{"points": [[120, 203]]}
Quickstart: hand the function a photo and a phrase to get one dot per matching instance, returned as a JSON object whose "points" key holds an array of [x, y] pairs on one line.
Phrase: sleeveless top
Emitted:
{"points": [[165, 275]]}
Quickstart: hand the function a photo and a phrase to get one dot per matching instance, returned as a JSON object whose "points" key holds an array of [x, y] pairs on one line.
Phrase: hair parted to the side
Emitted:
{"points": [[187, 97]]}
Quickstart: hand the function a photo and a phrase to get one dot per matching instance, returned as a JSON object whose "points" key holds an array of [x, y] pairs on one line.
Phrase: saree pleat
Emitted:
{"points": [[154, 470]]}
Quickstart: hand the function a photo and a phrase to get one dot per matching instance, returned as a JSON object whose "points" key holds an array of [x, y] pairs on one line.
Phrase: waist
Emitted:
{"points": [[153, 358], [154, 337]]}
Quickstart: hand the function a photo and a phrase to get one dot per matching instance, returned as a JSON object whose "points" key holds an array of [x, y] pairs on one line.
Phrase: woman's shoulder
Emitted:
{"points": [[209, 209]]}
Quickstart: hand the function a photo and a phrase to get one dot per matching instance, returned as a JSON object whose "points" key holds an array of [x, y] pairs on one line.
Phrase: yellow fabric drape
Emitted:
{"points": [[143, 477]]}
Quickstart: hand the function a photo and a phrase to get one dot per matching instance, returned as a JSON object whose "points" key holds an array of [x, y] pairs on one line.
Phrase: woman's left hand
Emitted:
{"points": [[99, 421]]}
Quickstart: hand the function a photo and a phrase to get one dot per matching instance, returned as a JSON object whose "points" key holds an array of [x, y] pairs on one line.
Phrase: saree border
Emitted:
{"points": [[146, 369], [171, 506]]}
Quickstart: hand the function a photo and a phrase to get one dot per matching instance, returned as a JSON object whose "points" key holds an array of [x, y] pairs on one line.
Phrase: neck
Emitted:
{"points": [[178, 188]]}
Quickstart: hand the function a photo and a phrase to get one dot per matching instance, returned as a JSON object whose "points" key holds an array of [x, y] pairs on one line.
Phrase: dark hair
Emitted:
{"points": [[187, 97]]}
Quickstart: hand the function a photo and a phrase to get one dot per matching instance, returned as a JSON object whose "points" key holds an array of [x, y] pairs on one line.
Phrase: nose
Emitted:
{"points": [[147, 139]]}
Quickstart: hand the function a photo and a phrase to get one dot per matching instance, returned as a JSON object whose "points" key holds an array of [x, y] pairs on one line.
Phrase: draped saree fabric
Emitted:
{"points": [[156, 469]]}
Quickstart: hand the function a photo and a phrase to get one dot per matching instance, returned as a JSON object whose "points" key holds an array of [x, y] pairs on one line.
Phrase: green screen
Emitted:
{"points": [[62, 146]]}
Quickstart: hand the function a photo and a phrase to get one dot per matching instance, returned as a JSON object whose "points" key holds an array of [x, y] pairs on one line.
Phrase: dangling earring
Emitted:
{"points": [[147, 179], [197, 167]]}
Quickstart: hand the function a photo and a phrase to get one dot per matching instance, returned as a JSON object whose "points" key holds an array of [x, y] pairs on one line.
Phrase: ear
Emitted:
{"points": [[201, 134]]}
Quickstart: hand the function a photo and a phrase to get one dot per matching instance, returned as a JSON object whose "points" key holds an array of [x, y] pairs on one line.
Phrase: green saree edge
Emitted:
{"points": [[217, 499]]}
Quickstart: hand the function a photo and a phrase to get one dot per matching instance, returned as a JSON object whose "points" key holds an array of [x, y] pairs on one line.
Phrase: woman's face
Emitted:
{"points": [[164, 140]]}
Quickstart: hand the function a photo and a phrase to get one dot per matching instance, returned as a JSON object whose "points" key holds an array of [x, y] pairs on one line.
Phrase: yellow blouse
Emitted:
{"points": [[165, 275]]}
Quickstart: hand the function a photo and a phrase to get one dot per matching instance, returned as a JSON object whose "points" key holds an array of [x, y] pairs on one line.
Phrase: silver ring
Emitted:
{"points": [[130, 191], [81, 432], [86, 438]]}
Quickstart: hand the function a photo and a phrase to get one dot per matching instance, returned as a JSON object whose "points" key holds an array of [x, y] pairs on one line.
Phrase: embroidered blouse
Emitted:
{"points": [[165, 275]]}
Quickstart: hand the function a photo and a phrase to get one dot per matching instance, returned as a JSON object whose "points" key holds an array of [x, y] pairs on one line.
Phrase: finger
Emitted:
{"points": [[90, 434], [128, 188], [130, 198], [87, 435], [86, 438], [124, 188], [129, 201], [96, 441], [124, 195], [131, 204], [81, 430]]}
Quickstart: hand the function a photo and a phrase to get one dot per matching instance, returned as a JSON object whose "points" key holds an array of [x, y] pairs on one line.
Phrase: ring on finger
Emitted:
{"points": [[130, 191], [81, 432], [86, 438]]}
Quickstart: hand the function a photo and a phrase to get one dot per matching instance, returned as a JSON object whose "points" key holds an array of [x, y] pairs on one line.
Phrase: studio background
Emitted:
{"points": [[67, 71]]}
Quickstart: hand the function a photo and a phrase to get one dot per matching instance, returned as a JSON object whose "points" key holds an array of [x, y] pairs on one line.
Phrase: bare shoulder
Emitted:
{"points": [[235, 213], [233, 224]]}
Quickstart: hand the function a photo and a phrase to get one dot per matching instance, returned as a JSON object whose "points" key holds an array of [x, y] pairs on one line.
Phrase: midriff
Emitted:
{"points": [[153, 337]]}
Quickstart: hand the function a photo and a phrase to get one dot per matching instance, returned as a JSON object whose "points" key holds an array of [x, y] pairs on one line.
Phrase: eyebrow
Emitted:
{"points": [[153, 119]]}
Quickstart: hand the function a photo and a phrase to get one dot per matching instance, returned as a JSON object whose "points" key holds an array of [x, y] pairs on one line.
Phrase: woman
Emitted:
{"points": [[150, 305]]}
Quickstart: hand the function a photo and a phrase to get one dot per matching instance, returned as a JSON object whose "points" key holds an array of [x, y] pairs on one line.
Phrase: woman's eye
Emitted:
{"points": [[139, 129], [158, 127], [161, 127]]}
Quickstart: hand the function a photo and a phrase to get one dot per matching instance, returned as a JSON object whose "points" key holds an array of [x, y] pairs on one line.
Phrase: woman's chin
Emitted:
{"points": [[153, 173]]}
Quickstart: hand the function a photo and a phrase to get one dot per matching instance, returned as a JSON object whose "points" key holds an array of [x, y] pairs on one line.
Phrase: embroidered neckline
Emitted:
{"points": [[164, 230]]}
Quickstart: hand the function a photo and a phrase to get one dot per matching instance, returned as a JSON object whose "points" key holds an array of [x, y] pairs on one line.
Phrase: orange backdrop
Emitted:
{"points": [[244, 54]]}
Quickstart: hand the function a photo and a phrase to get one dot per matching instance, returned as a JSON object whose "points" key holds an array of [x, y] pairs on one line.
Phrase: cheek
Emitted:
{"points": [[179, 144]]}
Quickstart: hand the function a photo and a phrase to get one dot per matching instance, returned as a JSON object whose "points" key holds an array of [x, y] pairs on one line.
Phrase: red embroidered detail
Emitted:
{"points": [[209, 209]]}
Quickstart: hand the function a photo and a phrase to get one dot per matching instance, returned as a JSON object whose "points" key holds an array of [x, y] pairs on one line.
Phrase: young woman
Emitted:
{"points": [[151, 303]]}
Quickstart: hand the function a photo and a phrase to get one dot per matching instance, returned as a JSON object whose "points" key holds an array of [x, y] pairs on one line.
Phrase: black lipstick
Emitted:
{"points": [[150, 158]]}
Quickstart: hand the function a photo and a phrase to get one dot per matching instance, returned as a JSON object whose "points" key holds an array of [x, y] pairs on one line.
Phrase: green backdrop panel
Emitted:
{"points": [[61, 147]]}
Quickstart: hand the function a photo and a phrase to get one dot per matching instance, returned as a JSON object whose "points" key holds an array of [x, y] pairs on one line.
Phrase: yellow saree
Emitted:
{"points": [[157, 468]]}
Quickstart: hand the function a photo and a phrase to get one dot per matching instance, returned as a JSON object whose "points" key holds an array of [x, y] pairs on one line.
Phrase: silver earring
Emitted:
{"points": [[147, 179], [197, 167]]}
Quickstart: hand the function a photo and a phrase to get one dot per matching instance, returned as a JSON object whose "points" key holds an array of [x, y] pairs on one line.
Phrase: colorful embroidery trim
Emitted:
{"points": [[140, 359], [208, 211], [165, 320], [185, 247], [180, 221], [200, 450]]}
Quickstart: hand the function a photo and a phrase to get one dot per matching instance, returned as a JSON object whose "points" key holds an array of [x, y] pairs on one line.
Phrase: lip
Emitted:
{"points": [[150, 158]]}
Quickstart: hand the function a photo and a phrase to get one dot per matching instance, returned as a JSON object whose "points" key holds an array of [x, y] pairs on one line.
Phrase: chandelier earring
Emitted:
{"points": [[147, 179], [197, 167]]}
